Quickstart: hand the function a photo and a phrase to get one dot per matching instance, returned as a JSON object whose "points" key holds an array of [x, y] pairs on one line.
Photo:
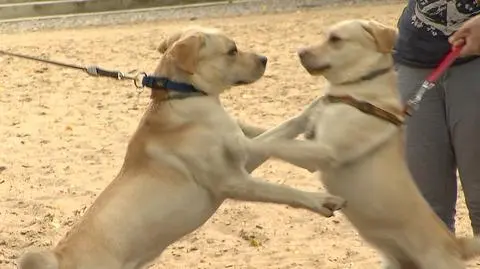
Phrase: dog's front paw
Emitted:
{"points": [[327, 204]]}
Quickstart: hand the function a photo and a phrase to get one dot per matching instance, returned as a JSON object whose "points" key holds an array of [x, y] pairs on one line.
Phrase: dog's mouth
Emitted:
{"points": [[241, 82], [314, 67], [318, 69], [249, 79]]}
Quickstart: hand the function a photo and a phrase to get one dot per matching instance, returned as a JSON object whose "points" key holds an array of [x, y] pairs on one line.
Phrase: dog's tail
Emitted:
{"points": [[38, 260], [469, 246]]}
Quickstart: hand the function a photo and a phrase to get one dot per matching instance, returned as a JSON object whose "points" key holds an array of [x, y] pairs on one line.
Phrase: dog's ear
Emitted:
{"points": [[184, 52], [383, 35], [168, 42]]}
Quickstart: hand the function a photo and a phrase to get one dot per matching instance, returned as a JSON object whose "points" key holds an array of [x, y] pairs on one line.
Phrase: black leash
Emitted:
{"points": [[91, 70], [140, 80]]}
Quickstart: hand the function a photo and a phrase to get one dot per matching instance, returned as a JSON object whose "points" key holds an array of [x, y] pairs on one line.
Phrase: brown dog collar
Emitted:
{"points": [[365, 107], [369, 76]]}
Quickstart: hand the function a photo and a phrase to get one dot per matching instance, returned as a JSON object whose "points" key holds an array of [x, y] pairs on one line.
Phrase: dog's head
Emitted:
{"points": [[351, 49], [208, 60]]}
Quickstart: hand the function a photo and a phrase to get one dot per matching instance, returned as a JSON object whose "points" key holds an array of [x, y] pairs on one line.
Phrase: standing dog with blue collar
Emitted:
{"points": [[186, 157]]}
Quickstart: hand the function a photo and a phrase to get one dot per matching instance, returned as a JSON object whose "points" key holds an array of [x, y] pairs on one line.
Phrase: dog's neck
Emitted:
{"points": [[362, 89], [168, 84], [171, 88], [366, 69], [369, 76]]}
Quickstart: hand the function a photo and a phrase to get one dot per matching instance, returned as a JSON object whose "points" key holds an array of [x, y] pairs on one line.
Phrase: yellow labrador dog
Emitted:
{"points": [[186, 157], [356, 141]]}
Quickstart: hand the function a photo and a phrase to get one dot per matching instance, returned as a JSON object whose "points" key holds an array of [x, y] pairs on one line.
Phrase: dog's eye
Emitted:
{"points": [[334, 39], [233, 51]]}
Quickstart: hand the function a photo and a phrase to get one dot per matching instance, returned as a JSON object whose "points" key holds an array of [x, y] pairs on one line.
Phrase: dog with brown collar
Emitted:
{"points": [[356, 141]]}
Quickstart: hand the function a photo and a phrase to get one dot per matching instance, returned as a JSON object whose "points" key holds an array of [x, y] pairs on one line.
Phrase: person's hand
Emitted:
{"points": [[469, 36]]}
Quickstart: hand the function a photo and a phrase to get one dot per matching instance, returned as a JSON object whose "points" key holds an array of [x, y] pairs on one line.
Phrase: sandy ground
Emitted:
{"points": [[63, 137]]}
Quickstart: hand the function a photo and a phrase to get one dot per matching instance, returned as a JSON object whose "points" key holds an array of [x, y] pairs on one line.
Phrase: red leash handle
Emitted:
{"points": [[429, 83], [446, 62]]}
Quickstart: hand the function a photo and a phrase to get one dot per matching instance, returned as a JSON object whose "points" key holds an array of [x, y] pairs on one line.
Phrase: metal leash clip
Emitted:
{"points": [[136, 78], [414, 102], [430, 82], [97, 71]]}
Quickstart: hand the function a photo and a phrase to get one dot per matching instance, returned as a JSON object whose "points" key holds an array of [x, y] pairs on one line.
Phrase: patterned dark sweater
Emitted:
{"points": [[424, 28]]}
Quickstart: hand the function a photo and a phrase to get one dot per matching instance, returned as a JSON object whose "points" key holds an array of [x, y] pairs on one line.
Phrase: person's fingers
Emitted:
{"points": [[459, 35], [455, 39], [462, 33], [465, 51], [457, 43], [470, 48]]}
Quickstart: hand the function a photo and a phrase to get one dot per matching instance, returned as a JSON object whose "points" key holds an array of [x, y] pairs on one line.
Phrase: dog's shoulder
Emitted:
{"points": [[194, 134], [344, 125]]}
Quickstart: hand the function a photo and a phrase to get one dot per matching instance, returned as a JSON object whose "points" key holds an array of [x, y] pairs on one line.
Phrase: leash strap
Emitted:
{"points": [[444, 64], [97, 71], [140, 80], [18, 55], [91, 70]]}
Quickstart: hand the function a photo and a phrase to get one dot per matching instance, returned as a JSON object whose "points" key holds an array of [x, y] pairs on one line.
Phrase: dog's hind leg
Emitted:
{"points": [[444, 264], [251, 189], [440, 260], [38, 260], [391, 263]]}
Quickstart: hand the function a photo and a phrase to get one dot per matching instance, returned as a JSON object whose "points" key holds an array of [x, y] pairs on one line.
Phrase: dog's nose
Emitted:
{"points": [[263, 60], [302, 53]]}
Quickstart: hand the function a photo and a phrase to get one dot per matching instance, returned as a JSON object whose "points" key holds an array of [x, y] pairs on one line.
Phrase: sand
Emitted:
{"points": [[63, 137]]}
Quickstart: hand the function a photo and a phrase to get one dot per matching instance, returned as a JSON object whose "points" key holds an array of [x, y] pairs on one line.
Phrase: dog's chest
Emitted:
{"points": [[216, 147], [375, 183], [357, 186], [339, 126], [210, 140]]}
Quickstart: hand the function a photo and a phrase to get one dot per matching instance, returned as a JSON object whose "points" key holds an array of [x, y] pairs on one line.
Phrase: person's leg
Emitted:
{"points": [[429, 152], [463, 112]]}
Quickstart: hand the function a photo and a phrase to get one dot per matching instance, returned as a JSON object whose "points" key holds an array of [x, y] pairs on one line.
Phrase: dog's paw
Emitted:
{"points": [[328, 204], [309, 135]]}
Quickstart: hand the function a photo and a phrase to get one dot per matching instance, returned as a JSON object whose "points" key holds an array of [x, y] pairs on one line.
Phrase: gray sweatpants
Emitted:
{"points": [[443, 136]]}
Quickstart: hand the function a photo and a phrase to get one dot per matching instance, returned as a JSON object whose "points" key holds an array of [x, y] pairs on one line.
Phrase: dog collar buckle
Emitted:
{"points": [[154, 82]]}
